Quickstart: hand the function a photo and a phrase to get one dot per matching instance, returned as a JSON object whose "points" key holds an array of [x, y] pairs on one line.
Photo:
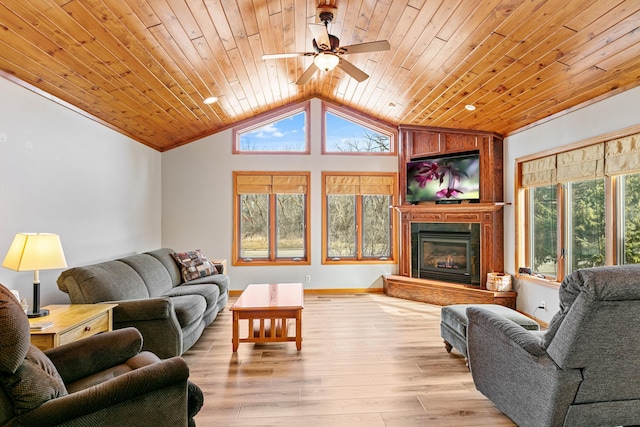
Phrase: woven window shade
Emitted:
{"points": [[296, 184], [379, 185], [539, 172], [342, 184], [352, 184], [622, 155], [267, 184], [253, 184], [580, 164]]}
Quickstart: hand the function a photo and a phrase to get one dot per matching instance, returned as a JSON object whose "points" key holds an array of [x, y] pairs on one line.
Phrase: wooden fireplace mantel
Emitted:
{"points": [[417, 142]]}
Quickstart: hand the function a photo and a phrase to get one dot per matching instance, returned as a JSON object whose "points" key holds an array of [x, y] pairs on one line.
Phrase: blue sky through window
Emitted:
{"points": [[287, 134], [344, 135]]}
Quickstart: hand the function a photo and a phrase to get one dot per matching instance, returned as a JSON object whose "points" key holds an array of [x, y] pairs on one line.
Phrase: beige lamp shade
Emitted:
{"points": [[35, 251]]}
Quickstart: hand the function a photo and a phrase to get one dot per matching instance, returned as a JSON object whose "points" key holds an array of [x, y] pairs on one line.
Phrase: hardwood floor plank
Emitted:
{"points": [[366, 360]]}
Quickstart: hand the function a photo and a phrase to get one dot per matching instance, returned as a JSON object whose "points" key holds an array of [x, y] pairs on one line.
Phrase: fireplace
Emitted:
{"points": [[448, 252], [445, 256]]}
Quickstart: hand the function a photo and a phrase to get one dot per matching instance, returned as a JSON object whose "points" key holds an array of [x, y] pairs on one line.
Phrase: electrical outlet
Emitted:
{"points": [[307, 278], [543, 305]]}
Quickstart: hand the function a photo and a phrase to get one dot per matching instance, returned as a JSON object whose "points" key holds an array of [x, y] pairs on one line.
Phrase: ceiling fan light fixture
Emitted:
{"points": [[326, 61]]}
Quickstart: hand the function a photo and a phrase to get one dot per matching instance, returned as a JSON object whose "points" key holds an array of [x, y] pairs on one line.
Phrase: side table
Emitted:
{"points": [[71, 322]]}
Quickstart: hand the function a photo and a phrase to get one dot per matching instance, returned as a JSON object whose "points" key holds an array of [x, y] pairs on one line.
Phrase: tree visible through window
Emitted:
{"points": [[343, 134], [630, 189], [357, 219], [544, 225], [271, 217]]}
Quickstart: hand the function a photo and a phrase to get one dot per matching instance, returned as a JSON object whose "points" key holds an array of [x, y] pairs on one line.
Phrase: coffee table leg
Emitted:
{"points": [[299, 330], [236, 334]]}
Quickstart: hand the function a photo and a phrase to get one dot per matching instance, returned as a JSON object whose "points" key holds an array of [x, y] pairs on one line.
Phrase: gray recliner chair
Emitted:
{"points": [[101, 380], [582, 371]]}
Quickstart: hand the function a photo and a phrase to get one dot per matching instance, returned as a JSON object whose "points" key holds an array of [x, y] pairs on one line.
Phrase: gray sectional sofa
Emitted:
{"points": [[152, 297]]}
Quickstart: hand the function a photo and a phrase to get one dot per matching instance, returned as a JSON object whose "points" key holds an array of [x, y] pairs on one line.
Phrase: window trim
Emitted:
{"points": [[236, 260], [270, 117], [393, 256], [362, 120]]}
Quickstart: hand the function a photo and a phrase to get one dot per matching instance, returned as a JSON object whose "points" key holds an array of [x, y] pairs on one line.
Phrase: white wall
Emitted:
{"points": [[63, 173], [197, 206], [614, 113]]}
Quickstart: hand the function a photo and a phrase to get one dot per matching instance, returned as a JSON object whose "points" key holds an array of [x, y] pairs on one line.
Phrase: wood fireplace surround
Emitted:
{"points": [[420, 142]]}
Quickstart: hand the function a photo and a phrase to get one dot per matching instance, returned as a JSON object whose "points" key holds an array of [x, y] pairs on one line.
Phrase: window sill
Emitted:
{"points": [[549, 283]]}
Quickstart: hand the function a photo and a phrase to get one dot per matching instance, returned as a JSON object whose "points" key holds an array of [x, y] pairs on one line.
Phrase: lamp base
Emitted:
{"points": [[41, 313]]}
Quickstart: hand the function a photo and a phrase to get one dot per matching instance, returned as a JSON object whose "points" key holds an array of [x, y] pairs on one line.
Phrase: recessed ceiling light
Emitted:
{"points": [[211, 100], [470, 107]]}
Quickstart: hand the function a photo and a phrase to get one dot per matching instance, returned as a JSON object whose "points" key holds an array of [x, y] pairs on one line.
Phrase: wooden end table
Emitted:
{"points": [[71, 322], [272, 305]]}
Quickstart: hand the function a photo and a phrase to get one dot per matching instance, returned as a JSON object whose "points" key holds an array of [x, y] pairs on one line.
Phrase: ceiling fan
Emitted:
{"points": [[328, 53]]}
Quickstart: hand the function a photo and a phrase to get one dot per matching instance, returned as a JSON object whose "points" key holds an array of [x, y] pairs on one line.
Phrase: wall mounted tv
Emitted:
{"points": [[445, 179]]}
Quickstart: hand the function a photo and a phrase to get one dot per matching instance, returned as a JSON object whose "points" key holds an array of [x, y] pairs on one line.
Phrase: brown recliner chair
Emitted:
{"points": [[101, 380]]}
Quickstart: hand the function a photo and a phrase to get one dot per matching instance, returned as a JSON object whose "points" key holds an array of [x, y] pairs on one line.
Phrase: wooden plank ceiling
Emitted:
{"points": [[144, 67]]}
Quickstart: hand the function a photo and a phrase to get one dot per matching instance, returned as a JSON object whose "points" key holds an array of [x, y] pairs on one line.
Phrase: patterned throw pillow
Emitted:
{"points": [[193, 265]]}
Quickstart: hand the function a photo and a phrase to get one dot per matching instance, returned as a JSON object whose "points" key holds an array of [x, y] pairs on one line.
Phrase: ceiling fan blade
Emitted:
{"points": [[321, 36], [306, 76], [366, 47], [286, 55], [352, 70]]}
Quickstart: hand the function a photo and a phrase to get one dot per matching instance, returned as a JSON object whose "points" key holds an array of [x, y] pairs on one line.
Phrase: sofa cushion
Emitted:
{"points": [[34, 382], [188, 308], [221, 280], [194, 264], [152, 271], [165, 256], [107, 281], [210, 292]]}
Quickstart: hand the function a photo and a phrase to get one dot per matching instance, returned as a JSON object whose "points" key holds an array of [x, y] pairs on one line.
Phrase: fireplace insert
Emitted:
{"points": [[445, 256]]}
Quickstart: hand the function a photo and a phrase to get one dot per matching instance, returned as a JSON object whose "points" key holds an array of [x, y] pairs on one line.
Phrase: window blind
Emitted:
{"points": [[272, 183], [359, 184]]}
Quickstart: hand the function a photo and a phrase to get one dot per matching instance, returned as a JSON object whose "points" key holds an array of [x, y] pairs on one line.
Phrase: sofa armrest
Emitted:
{"points": [[119, 397], [156, 320], [142, 309], [85, 357], [506, 330]]}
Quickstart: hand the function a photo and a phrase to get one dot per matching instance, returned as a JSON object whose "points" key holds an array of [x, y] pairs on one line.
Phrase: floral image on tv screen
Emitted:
{"points": [[444, 179]]}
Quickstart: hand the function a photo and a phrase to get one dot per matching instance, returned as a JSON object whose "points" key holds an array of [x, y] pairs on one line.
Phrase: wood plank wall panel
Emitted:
{"points": [[143, 67]]}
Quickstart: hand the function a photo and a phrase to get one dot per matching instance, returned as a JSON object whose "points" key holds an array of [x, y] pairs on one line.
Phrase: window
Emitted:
{"points": [[629, 223], [566, 201], [346, 133], [585, 228], [358, 221], [281, 132], [271, 216], [544, 224]]}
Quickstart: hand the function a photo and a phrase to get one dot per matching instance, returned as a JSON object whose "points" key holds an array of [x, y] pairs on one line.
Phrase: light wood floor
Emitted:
{"points": [[367, 360]]}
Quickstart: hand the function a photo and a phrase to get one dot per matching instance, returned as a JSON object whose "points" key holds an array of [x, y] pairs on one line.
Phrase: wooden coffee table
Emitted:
{"points": [[271, 305]]}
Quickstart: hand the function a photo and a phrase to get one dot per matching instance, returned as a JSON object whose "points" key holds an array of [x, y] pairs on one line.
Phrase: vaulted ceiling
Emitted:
{"points": [[145, 67]]}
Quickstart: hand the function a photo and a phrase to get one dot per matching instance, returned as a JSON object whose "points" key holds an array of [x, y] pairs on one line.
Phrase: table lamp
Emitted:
{"points": [[35, 251]]}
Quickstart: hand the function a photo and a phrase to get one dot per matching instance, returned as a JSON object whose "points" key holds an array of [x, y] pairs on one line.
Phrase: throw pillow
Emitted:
{"points": [[34, 383], [193, 265]]}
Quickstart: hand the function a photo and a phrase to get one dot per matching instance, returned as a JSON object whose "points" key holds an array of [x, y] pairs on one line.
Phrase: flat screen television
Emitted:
{"points": [[446, 179]]}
